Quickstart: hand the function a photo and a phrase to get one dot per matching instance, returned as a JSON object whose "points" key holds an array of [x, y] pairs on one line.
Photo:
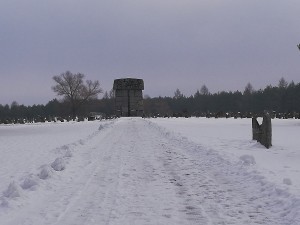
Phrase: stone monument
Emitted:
{"points": [[129, 97], [263, 133]]}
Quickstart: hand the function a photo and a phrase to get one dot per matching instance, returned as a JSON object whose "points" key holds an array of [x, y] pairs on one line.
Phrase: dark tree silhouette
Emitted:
{"points": [[204, 90], [74, 90], [282, 83], [283, 98], [248, 89], [178, 94]]}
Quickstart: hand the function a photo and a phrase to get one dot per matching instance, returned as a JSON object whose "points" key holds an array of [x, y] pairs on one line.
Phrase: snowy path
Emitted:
{"points": [[134, 172]]}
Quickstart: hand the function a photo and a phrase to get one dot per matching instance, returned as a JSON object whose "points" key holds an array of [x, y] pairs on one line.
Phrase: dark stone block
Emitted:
{"points": [[263, 133], [129, 97]]}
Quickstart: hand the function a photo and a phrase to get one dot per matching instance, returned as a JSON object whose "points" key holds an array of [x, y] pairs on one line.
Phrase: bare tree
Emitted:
{"points": [[111, 94], [105, 96], [74, 90]]}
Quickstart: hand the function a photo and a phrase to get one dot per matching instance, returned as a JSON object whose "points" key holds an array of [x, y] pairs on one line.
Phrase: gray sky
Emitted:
{"points": [[171, 44]]}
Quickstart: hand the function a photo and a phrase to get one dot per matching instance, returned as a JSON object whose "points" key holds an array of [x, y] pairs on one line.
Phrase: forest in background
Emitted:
{"points": [[283, 98]]}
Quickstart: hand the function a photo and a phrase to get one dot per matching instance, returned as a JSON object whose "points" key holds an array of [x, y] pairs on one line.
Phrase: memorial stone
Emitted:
{"points": [[263, 133], [129, 97]]}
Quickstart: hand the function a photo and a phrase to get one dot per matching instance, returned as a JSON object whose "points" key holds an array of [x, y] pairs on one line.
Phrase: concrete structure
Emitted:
{"points": [[263, 133], [129, 97]]}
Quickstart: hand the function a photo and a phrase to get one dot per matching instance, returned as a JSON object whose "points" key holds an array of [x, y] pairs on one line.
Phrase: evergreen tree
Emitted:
{"points": [[178, 94], [282, 83], [248, 89], [204, 90]]}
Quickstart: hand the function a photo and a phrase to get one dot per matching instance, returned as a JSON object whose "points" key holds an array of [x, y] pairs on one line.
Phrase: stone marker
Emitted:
{"points": [[263, 133], [129, 97]]}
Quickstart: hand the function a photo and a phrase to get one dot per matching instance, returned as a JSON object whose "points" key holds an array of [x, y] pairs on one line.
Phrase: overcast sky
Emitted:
{"points": [[171, 44]]}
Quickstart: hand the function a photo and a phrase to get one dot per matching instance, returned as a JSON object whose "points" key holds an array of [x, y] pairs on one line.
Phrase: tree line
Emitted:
{"points": [[283, 98]]}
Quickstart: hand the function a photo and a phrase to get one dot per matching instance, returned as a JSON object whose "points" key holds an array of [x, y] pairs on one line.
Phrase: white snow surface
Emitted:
{"points": [[149, 171]]}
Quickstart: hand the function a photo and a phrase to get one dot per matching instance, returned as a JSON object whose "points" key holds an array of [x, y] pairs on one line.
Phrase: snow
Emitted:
{"points": [[232, 139], [30, 183], [13, 191], [149, 171], [46, 172], [59, 164], [248, 160]]}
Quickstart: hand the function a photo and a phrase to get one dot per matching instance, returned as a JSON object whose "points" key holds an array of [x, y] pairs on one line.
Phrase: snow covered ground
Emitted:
{"points": [[232, 138], [149, 171]]}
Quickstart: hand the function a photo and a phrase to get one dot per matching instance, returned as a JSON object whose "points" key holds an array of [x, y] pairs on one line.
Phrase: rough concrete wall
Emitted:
{"points": [[128, 84], [129, 97]]}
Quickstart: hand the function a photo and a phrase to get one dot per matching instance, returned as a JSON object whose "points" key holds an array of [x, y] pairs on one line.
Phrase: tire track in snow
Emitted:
{"points": [[84, 206], [145, 193], [131, 185]]}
